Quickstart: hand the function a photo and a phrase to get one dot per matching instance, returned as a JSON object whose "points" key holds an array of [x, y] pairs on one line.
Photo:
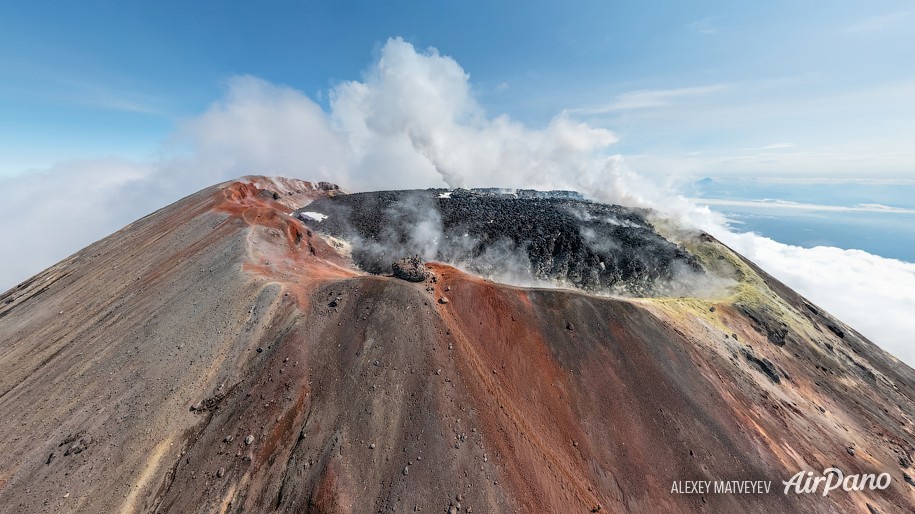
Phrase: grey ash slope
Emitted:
{"points": [[221, 356], [551, 236]]}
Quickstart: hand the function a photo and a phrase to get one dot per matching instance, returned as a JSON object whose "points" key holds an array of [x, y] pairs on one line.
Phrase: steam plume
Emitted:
{"points": [[411, 122]]}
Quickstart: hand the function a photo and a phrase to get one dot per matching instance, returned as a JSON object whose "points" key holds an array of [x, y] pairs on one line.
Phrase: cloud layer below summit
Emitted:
{"points": [[411, 121]]}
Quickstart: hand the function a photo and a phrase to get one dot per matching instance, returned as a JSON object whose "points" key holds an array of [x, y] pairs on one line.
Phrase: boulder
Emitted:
{"points": [[410, 269], [267, 194]]}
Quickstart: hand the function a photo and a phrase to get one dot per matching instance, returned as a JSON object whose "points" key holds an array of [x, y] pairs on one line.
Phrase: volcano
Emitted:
{"points": [[248, 349]]}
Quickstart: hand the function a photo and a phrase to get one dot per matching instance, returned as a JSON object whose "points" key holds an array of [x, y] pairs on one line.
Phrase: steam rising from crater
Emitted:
{"points": [[411, 122], [531, 239]]}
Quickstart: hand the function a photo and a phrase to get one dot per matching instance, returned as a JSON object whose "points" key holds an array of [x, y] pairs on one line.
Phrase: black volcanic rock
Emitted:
{"points": [[410, 269], [542, 235], [502, 399]]}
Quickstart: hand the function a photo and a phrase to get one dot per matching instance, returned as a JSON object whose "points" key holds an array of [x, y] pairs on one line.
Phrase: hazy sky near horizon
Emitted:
{"points": [[704, 88]]}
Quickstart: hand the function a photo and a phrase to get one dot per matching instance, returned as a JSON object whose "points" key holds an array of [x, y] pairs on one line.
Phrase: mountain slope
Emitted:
{"points": [[220, 355]]}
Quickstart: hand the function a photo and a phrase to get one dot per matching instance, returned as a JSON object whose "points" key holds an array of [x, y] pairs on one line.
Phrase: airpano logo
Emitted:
{"points": [[803, 482], [832, 479]]}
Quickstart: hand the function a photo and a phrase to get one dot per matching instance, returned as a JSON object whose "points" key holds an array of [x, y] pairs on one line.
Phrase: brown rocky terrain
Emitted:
{"points": [[220, 355]]}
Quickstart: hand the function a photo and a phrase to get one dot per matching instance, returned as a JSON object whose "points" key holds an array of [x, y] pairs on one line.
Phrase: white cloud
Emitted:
{"points": [[264, 128], [878, 22], [785, 204], [54, 86], [828, 180], [411, 122], [838, 130], [826, 163], [872, 294], [650, 98], [414, 121], [776, 146], [703, 26], [45, 216]]}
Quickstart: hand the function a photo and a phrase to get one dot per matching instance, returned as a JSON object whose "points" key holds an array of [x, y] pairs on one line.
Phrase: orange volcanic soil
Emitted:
{"points": [[220, 356]]}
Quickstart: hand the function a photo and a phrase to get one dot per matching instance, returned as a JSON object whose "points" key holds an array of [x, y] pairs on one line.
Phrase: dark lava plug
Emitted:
{"points": [[553, 236]]}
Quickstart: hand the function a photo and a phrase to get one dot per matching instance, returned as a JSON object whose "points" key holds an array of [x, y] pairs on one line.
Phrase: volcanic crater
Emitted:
{"points": [[221, 355], [553, 237]]}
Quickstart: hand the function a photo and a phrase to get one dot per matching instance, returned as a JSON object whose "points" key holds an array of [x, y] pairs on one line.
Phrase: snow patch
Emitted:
{"points": [[315, 216]]}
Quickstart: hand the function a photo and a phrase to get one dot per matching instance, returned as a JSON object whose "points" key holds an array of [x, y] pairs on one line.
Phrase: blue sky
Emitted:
{"points": [[697, 88], [110, 110]]}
